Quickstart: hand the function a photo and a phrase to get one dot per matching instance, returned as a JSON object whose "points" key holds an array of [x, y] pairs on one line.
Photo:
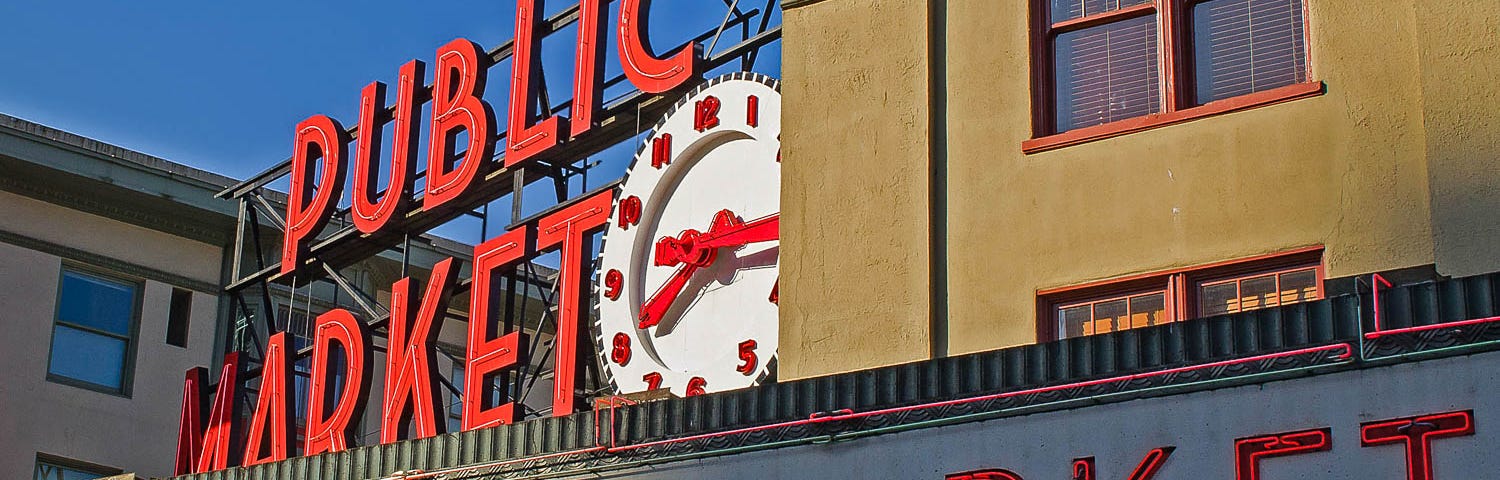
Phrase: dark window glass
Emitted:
{"points": [[1246, 46], [301, 377], [178, 317], [1148, 310], [1299, 286], [97, 303], [56, 470], [1071, 9], [87, 356], [91, 339], [1219, 299], [1258, 291], [1107, 73], [1108, 315], [455, 403], [1074, 319], [299, 325]]}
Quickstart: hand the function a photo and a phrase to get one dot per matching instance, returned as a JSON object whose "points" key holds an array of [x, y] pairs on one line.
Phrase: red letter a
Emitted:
{"points": [[201, 450], [274, 407], [330, 434], [410, 394]]}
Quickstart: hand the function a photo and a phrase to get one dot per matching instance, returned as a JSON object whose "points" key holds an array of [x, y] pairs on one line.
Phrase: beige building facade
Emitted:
{"points": [[931, 208], [110, 263]]}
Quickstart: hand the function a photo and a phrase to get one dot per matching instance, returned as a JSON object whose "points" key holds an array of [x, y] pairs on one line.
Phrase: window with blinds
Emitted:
{"points": [[1112, 60], [1113, 314], [1246, 46], [1257, 291], [1070, 9], [1170, 296], [1107, 73]]}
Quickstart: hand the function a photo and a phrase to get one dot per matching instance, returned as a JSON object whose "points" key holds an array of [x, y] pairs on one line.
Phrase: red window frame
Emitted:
{"points": [[1176, 107], [1181, 286]]}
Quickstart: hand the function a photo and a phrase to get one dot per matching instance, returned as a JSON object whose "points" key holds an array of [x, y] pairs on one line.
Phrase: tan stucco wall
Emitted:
{"points": [[854, 186], [1349, 170], [1460, 63]]}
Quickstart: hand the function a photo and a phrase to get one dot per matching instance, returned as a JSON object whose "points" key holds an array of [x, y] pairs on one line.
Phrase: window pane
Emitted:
{"points": [[1110, 316], [1106, 73], [1073, 320], [1148, 310], [1245, 46], [1070, 9], [455, 406], [87, 356], [1258, 292], [301, 376], [1299, 286], [96, 302], [47, 471], [1218, 299]]}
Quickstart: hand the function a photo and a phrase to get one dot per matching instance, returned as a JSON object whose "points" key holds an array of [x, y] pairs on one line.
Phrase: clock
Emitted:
{"points": [[686, 294]]}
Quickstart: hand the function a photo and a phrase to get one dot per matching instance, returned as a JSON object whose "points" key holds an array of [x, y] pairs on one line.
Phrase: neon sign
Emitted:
{"points": [[463, 136]]}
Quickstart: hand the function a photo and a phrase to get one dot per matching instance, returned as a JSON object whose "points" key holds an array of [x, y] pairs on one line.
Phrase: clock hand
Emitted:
{"points": [[729, 231], [655, 308], [697, 250], [671, 251]]}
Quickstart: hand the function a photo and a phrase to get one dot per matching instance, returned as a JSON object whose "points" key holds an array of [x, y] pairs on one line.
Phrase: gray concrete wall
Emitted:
{"points": [[135, 433]]}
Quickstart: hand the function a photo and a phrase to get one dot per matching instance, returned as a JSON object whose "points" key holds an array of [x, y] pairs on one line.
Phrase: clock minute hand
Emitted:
{"points": [[728, 231], [695, 250]]}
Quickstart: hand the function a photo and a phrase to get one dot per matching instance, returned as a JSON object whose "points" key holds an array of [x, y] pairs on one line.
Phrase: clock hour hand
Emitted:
{"points": [[656, 307], [696, 250]]}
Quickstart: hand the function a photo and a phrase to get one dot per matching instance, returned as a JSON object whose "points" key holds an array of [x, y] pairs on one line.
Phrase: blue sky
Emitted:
{"points": [[220, 85]]}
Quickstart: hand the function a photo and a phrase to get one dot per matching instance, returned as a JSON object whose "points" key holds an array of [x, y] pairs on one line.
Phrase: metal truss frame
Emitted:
{"points": [[256, 284]]}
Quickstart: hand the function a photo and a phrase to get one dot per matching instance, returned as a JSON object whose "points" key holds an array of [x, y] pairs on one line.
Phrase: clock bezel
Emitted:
{"points": [[766, 359]]}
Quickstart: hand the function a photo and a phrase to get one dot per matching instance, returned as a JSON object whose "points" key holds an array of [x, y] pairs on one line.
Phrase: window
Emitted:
{"points": [[1109, 67], [1258, 290], [1110, 314], [178, 316], [299, 323], [456, 401], [93, 336], [1159, 298], [49, 467]]}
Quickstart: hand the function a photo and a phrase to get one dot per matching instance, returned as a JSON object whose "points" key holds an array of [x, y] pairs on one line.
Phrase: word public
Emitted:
{"points": [[207, 439]]}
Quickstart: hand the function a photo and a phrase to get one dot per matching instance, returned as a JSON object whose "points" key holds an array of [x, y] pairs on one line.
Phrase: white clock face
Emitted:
{"points": [[688, 270]]}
